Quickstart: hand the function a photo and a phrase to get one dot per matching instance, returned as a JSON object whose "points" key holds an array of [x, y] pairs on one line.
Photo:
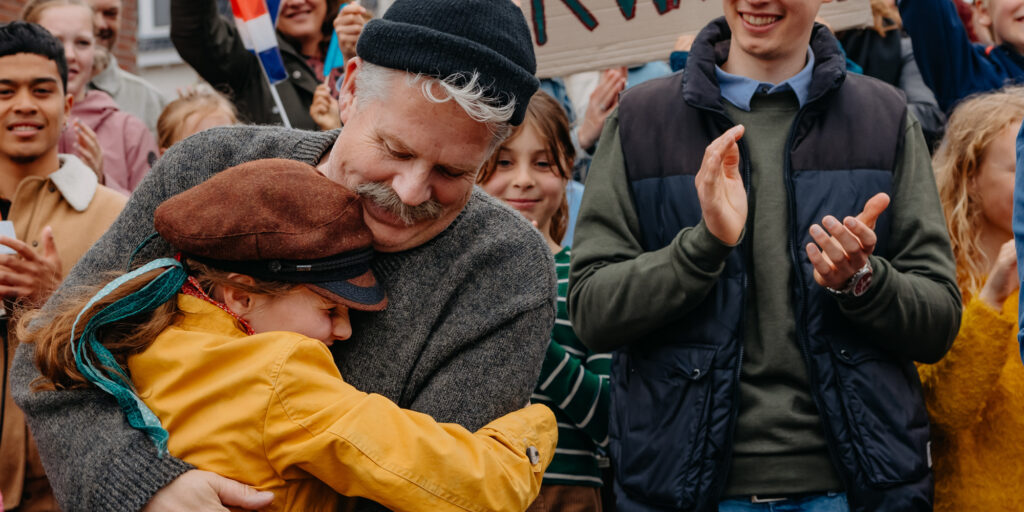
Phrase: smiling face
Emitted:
{"points": [[302, 20], [107, 19], [526, 178], [1005, 21], [424, 156], [72, 25], [770, 32], [33, 108], [993, 185], [303, 311]]}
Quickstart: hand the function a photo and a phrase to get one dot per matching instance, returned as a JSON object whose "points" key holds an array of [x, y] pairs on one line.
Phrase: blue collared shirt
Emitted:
{"points": [[739, 90]]}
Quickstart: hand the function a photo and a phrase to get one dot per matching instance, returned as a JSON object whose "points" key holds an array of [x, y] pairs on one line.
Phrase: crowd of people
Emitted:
{"points": [[775, 271]]}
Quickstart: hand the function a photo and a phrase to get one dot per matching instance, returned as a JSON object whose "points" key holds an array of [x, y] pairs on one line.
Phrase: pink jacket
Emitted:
{"points": [[128, 146]]}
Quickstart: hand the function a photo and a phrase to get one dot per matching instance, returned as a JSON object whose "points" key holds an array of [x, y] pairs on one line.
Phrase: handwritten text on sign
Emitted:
{"points": [[582, 35]]}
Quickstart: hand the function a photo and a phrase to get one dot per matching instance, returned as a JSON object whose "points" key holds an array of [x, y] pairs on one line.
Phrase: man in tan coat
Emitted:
{"points": [[58, 210]]}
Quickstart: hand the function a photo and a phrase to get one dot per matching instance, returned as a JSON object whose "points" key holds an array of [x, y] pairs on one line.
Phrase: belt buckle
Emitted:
{"points": [[756, 499]]}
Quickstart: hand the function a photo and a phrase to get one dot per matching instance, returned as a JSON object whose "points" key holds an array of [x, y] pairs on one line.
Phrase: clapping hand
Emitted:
{"points": [[723, 198], [838, 253]]}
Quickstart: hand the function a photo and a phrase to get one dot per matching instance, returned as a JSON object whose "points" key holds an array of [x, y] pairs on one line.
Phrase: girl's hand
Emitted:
{"points": [[87, 147], [1002, 279], [324, 109], [349, 24]]}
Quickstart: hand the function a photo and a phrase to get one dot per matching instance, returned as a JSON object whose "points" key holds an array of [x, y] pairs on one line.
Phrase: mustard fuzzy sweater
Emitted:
{"points": [[975, 399]]}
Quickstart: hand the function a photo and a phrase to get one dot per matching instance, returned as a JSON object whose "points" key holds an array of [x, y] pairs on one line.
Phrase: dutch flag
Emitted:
{"points": [[256, 28]]}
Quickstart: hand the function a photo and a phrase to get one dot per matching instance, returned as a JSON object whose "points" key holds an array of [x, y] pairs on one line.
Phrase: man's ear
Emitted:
{"points": [[69, 101], [347, 92], [239, 301]]}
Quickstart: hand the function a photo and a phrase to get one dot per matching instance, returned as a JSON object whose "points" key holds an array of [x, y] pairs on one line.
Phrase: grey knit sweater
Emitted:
{"points": [[469, 318]]}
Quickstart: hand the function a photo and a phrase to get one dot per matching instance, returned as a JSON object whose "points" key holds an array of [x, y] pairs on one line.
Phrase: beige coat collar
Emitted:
{"points": [[75, 181]]}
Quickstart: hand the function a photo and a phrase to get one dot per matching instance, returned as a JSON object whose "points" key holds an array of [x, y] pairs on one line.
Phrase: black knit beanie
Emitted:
{"points": [[440, 38]]}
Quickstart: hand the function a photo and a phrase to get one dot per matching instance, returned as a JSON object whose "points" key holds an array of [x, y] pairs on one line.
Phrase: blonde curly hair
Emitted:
{"points": [[974, 124]]}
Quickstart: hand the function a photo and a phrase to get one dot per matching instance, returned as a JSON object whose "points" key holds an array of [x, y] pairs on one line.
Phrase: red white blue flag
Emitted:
{"points": [[256, 28]]}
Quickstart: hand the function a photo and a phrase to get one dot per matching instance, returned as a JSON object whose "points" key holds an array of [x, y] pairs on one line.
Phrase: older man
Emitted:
{"points": [[131, 92], [470, 283]]}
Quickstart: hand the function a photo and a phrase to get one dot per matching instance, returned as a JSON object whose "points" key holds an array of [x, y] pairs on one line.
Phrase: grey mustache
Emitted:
{"points": [[385, 197]]}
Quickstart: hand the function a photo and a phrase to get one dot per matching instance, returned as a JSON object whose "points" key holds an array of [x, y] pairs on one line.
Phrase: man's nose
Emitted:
{"points": [[412, 184], [24, 103]]}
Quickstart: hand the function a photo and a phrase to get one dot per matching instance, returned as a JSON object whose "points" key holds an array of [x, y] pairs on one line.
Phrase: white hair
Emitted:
{"points": [[373, 81]]}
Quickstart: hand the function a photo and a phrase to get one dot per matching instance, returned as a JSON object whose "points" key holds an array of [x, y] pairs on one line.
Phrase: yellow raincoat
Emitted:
{"points": [[272, 411]]}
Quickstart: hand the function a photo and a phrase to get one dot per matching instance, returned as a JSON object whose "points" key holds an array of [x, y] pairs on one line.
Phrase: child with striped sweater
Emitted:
{"points": [[529, 172]]}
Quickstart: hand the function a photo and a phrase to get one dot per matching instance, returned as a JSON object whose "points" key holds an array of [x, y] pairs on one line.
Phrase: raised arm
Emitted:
{"points": [[363, 445], [210, 44], [618, 292], [950, 63]]}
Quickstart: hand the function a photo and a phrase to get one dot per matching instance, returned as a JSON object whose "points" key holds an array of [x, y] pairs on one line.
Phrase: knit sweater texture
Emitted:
{"points": [[973, 397], [469, 318]]}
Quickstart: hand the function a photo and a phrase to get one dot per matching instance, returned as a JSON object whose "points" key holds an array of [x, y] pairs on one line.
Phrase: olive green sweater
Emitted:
{"points": [[619, 293]]}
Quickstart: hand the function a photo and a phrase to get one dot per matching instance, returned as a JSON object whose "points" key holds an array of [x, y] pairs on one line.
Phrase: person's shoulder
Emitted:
{"points": [[140, 85], [493, 236], [107, 198], [225, 146], [495, 222], [655, 89], [861, 91], [290, 352]]}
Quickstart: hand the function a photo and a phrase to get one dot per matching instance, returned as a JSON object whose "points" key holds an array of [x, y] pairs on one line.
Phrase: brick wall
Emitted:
{"points": [[127, 43]]}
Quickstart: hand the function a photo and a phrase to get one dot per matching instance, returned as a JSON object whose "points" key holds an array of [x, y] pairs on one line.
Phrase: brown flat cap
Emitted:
{"points": [[277, 220]]}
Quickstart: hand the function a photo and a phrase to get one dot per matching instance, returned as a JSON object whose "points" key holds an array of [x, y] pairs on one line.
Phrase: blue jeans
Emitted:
{"points": [[831, 502]]}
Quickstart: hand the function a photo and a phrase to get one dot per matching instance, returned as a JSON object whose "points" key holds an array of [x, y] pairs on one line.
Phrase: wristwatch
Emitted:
{"points": [[857, 285]]}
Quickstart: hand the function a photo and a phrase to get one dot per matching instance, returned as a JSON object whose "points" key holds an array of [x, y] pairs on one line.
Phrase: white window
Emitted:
{"points": [[154, 19]]}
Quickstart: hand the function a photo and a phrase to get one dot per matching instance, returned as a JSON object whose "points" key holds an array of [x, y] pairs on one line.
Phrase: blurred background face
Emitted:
{"points": [[202, 120], [72, 25], [107, 19], [993, 185], [1005, 18], [302, 19]]}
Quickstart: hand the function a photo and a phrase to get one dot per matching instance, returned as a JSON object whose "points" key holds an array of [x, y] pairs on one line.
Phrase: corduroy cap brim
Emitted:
{"points": [[277, 220]]}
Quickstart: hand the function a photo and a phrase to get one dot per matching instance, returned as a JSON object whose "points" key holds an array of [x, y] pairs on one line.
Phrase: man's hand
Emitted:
{"points": [[87, 147], [202, 491], [723, 199], [27, 275], [349, 24], [844, 249], [602, 101], [324, 109], [1002, 278]]}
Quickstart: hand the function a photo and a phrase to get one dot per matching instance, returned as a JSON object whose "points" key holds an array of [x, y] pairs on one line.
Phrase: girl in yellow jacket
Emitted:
{"points": [[222, 358], [975, 395]]}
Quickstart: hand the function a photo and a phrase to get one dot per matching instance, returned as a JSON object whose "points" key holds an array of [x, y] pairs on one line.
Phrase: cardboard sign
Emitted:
{"points": [[570, 36]]}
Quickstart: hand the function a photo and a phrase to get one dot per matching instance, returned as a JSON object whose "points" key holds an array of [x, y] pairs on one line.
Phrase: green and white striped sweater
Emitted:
{"points": [[574, 384]]}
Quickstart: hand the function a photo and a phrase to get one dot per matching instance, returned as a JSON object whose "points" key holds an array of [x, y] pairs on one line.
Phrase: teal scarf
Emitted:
{"points": [[104, 372]]}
